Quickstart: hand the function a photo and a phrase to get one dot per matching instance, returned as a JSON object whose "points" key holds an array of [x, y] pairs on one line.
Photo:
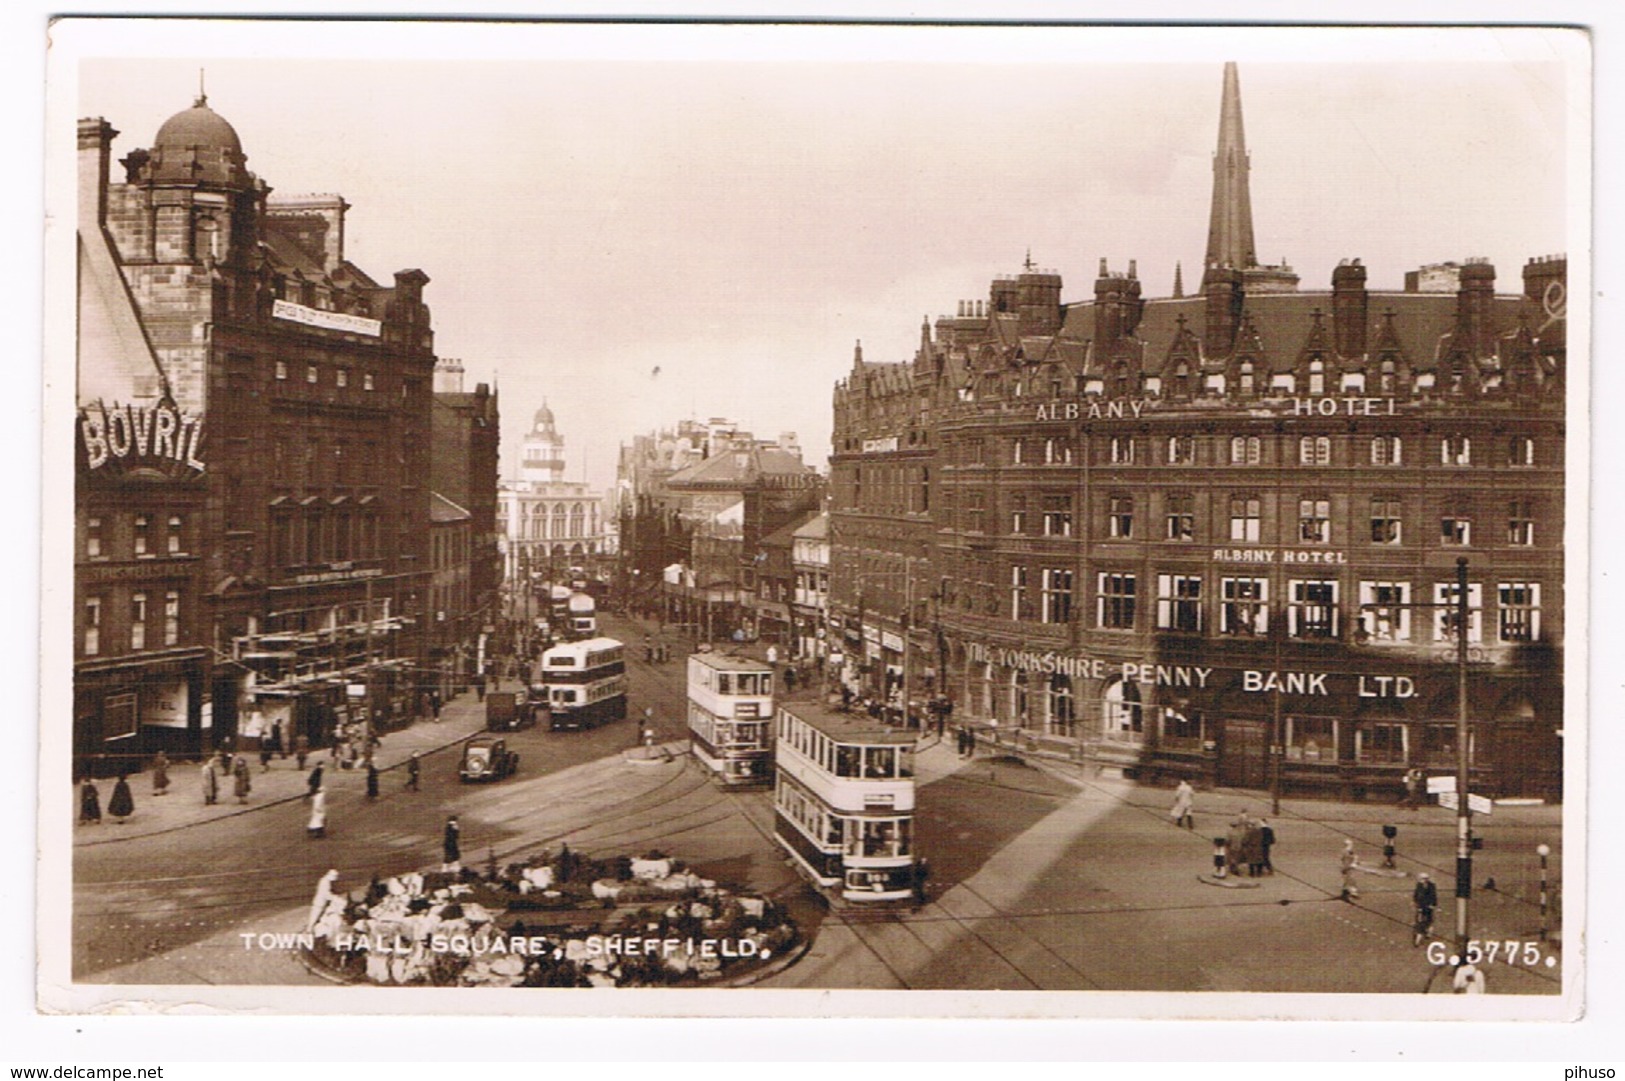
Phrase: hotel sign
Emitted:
{"points": [[880, 446], [1271, 556], [1131, 408], [315, 317], [159, 437]]}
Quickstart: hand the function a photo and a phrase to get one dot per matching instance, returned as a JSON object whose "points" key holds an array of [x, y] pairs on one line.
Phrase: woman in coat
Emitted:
{"points": [[122, 803], [317, 826], [160, 774], [90, 803], [452, 846], [211, 782], [240, 775]]}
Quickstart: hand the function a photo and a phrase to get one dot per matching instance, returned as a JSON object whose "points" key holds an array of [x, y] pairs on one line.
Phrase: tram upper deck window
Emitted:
{"points": [[725, 683], [905, 761], [879, 762], [848, 760]]}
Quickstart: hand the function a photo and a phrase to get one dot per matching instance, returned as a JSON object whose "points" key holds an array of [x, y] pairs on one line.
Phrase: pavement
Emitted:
{"points": [[182, 806]]}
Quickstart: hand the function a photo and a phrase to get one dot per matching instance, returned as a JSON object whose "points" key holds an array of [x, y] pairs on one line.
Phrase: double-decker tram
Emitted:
{"points": [[843, 802], [730, 717], [584, 683]]}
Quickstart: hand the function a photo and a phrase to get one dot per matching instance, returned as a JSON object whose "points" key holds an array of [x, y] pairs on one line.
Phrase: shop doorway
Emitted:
{"points": [[1243, 747]]}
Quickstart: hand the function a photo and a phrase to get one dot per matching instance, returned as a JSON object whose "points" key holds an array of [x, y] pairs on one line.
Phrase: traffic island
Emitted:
{"points": [[558, 920]]}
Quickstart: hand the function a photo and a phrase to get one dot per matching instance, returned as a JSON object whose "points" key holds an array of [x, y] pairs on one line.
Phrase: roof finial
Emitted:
{"points": [[1029, 262], [202, 98]]}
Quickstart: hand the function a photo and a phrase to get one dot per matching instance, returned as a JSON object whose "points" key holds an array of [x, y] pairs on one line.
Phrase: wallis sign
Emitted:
{"points": [[130, 437]]}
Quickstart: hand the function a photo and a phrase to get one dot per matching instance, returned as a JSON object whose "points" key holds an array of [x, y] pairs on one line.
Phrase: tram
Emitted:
{"points": [[583, 616], [584, 683], [730, 717], [843, 802]]}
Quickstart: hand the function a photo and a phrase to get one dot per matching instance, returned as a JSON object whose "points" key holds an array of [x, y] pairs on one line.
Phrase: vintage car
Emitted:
{"points": [[487, 758]]}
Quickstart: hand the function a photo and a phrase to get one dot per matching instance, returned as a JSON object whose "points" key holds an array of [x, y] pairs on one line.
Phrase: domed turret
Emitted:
{"points": [[544, 418], [199, 126], [196, 147]]}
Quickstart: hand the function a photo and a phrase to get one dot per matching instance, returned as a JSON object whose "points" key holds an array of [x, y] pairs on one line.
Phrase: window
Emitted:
{"points": [[1314, 521], [1018, 593], [1057, 452], [1385, 450], [173, 541], [366, 381], [93, 538], [1244, 610], [1057, 516], [1456, 527], [93, 626], [975, 513], [1018, 513], [1438, 744], [1122, 713], [1520, 523], [1455, 450], [1179, 602], [1181, 517], [1521, 451], [1246, 450], [1182, 728], [1315, 450], [1311, 739], [1120, 516], [142, 522], [311, 374], [1057, 595], [1380, 743], [282, 369], [1385, 615], [1181, 450], [1519, 606], [1245, 382], [1387, 377], [1116, 600], [1063, 713], [1317, 377], [1385, 520], [1122, 449], [1245, 518], [1312, 609], [1447, 616], [138, 621]]}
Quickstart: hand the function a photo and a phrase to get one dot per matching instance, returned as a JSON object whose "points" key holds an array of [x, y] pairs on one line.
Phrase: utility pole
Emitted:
{"points": [[1464, 812]]}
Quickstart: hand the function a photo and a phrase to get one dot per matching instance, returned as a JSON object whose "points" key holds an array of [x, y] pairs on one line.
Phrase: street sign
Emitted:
{"points": [[1441, 784], [1479, 805]]}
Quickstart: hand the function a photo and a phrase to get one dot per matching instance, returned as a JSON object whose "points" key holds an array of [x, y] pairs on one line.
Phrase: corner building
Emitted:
{"points": [[312, 531], [1179, 536]]}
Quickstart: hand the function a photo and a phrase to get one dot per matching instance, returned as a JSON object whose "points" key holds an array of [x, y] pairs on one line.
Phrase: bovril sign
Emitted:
{"points": [[130, 437]]}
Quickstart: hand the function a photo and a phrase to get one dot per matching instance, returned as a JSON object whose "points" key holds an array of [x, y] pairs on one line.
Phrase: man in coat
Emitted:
{"points": [[1426, 898], [160, 774], [314, 783], [413, 767], [452, 845], [90, 803], [211, 782]]}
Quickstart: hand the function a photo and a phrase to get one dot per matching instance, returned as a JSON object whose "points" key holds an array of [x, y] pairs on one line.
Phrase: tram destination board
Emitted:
{"points": [[1176, 608]]}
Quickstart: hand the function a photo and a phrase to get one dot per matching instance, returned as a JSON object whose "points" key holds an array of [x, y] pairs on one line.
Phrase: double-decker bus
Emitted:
{"points": [[583, 616], [843, 802], [730, 717], [584, 683]]}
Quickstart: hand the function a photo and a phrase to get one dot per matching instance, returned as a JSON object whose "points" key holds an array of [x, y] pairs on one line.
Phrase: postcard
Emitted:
{"points": [[815, 520]]}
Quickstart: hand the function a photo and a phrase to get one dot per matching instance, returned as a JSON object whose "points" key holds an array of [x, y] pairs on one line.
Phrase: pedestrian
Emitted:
{"points": [[122, 804], [922, 871], [1184, 799], [276, 740], [451, 846], [1413, 788], [313, 783], [1254, 845], [301, 749], [1426, 898], [1266, 841], [243, 784], [1349, 861], [970, 742], [160, 774], [1469, 980], [434, 704], [90, 803], [317, 826], [648, 650], [479, 686], [211, 782], [412, 767], [265, 756], [772, 654], [372, 779], [790, 680], [1236, 842]]}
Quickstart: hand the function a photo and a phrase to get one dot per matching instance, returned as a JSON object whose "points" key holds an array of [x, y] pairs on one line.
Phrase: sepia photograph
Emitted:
{"points": [[756, 519]]}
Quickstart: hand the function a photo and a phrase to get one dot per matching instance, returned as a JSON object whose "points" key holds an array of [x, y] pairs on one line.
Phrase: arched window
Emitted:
{"points": [[1181, 383], [559, 519], [1388, 377], [1244, 379], [577, 521], [1122, 713], [1317, 377], [1062, 707]]}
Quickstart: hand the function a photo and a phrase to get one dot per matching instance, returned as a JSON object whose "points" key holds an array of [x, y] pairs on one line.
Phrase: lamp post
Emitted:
{"points": [[1464, 813], [1543, 851]]}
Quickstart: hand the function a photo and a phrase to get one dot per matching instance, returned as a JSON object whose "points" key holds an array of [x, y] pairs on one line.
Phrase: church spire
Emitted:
{"points": [[1230, 224]]}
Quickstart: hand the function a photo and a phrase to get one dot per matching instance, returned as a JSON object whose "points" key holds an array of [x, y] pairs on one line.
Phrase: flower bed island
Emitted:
{"points": [[558, 920]]}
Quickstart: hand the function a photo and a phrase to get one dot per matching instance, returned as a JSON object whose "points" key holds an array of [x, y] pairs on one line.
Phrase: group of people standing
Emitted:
{"points": [[223, 768]]}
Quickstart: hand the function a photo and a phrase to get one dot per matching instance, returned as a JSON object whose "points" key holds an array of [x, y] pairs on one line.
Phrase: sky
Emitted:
{"points": [[639, 227]]}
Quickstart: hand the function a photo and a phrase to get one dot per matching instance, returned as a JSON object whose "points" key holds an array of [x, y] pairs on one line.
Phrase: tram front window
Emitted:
{"points": [[725, 683], [879, 763], [750, 734], [847, 761], [878, 838]]}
